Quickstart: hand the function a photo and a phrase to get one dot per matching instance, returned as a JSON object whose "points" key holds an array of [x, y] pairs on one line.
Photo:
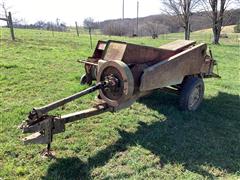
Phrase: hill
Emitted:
{"points": [[225, 29], [162, 24]]}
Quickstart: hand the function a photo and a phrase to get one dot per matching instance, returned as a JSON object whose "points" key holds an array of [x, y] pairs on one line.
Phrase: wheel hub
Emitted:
{"points": [[194, 97], [119, 82]]}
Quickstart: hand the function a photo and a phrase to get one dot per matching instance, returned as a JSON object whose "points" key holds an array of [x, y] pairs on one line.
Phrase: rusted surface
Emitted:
{"points": [[207, 66], [91, 70], [178, 45], [44, 130], [136, 54], [122, 79], [186, 59], [137, 71], [101, 45], [139, 54], [124, 73], [99, 109], [114, 51], [173, 70]]}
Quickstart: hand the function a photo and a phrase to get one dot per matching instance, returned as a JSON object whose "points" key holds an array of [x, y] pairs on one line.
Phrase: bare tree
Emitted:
{"points": [[4, 11], [88, 23], [5, 8], [216, 10], [153, 29], [183, 10], [117, 28]]}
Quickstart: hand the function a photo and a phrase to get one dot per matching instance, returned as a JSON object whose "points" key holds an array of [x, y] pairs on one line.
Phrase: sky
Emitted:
{"points": [[70, 11]]}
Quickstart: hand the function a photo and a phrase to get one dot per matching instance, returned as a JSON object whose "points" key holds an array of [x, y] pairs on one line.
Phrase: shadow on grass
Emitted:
{"points": [[207, 137]]}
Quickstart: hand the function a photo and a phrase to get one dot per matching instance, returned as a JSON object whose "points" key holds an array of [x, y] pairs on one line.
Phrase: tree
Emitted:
{"points": [[217, 12], [153, 29], [89, 23], [183, 10], [237, 28], [118, 28], [5, 8]]}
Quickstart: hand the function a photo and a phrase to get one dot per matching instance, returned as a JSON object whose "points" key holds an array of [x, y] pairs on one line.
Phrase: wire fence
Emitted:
{"points": [[206, 37]]}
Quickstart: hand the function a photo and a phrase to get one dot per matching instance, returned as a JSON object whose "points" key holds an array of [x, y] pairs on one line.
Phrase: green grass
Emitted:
{"points": [[150, 140]]}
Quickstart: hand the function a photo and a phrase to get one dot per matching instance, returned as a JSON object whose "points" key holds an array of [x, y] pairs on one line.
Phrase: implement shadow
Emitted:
{"points": [[208, 137]]}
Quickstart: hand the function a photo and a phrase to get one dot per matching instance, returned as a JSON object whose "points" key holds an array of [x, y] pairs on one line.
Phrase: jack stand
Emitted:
{"points": [[47, 153]]}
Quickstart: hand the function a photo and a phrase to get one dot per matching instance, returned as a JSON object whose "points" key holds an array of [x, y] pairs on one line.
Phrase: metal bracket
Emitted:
{"points": [[43, 130]]}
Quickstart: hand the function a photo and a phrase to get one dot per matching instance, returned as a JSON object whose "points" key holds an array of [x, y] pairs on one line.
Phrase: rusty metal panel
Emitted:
{"points": [[137, 54], [173, 70], [114, 51], [101, 45], [207, 66], [99, 49], [178, 45]]}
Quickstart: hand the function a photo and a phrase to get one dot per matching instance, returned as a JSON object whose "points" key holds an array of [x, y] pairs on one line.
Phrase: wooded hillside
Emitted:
{"points": [[161, 24]]}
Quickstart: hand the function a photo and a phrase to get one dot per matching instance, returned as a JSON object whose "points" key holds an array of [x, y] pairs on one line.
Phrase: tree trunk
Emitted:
{"points": [[217, 19], [187, 13], [187, 30], [6, 16], [216, 35], [185, 33], [217, 25]]}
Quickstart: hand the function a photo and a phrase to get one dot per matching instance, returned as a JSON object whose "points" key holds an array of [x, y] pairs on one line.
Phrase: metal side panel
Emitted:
{"points": [[138, 54], [114, 50], [177, 45], [173, 70]]}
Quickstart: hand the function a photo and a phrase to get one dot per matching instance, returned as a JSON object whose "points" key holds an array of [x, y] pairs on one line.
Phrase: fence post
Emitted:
{"points": [[90, 34], [10, 22], [77, 28], [52, 29]]}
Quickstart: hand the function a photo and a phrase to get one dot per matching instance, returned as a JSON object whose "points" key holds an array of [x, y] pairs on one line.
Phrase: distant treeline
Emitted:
{"points": [[43, 25]]}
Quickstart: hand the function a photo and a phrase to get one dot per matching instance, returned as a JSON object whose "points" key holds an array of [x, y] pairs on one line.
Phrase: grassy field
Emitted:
{"points": [[150, 140], [225, 29]]}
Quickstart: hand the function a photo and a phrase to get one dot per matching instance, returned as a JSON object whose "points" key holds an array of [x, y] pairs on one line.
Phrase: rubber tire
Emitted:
{"points": [[83, 79], [188, 85]]}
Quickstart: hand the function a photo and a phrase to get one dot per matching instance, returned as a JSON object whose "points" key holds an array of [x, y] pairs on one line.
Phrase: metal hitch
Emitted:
{"points": [[44, 126], [43, 131]]}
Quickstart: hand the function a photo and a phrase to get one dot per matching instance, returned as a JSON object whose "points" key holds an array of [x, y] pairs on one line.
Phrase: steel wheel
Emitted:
{"points": [[124, 88]]}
